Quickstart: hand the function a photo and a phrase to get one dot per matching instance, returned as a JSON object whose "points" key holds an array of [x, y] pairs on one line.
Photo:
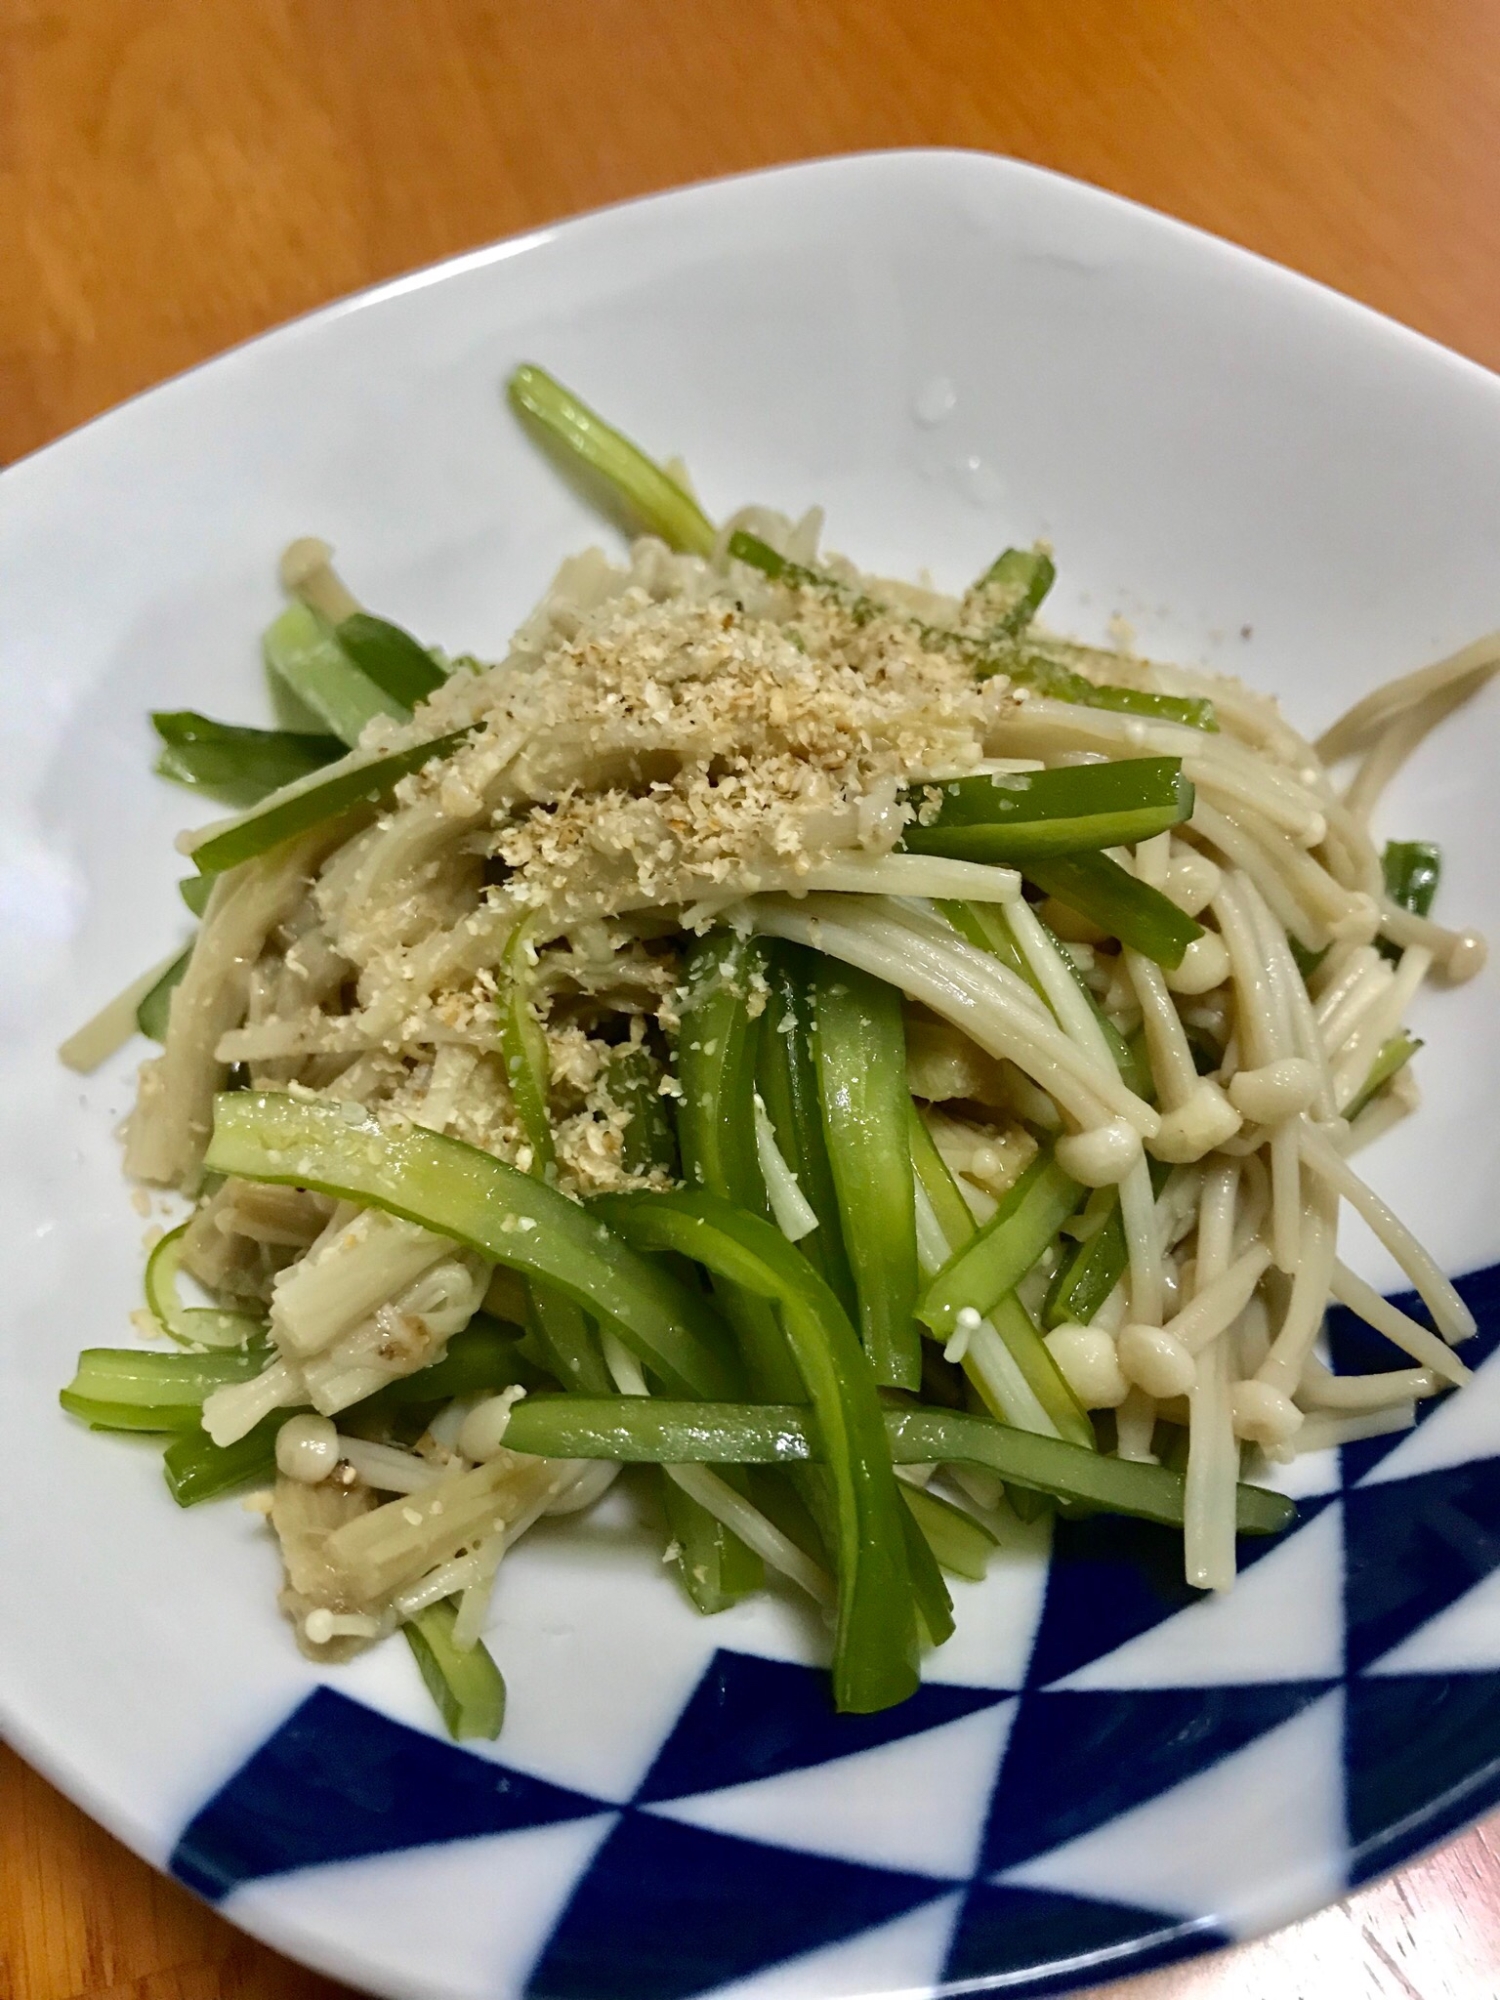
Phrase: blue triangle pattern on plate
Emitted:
{"points": [[667, 1910], [752, 1718], [1357, 1349], [1005, 1933], [1412, 1547], [1077, 1759], [1422, 1757], [337, 1781], [1112, 1579]]}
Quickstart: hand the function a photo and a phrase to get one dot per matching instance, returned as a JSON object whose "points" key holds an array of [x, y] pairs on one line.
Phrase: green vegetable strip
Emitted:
{"points": [[716, 1053], [195, 891], [788, 1080], [556, 1322], [1056, 668], [505, 1300], [1010, 1319], [523, 1049], [155, 1010], [1029, 1505], [236, 764], [654, 1432], [648, 1144], [649, 494], [1047, 1383], [197, 1469], [1391, 1056], [1025, 667], [716, 1069], [998, 1256], [203, 1326], [982, 925], [1132, 1056], [1412, 869], [955, 1217], [470, 1196], [985, 925], [131, 1389], [145, 1378], [1049, 677], [1083, 1281], [859, 1044], [774, 1491], [960, 1543], [714, 1565], [1307, 962], [875, 1653], [1071, 792], [102, 1415], [1028, 815], [1085, 1278], [352, 781], [389, 657], [466, 1685], [302, 653], [660, 1430], [747, 548], [562, 1333], [1011, 590], [934, 1606], [1069, 1473], [1130, 910]]}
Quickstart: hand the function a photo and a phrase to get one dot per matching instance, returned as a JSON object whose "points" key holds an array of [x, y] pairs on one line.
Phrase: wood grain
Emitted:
{"points": [[176, 175]]}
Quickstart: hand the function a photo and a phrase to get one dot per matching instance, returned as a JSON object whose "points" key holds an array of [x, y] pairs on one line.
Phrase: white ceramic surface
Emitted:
{"points": [[950, 352]]}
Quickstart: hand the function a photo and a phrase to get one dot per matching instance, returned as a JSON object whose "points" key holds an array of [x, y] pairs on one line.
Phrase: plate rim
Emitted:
{"points": [[893, 159], [1441, 1817]]}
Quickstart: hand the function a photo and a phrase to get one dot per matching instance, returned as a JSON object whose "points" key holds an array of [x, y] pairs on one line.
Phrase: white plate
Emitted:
{"points": [[950, 352]]}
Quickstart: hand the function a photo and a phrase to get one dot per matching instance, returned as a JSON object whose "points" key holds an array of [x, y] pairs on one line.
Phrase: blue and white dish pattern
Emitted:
{"points": [[1168, 1772]]}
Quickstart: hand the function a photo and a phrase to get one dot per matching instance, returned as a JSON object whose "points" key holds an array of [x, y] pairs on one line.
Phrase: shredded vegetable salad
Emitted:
{"points": [[873, 1065]]}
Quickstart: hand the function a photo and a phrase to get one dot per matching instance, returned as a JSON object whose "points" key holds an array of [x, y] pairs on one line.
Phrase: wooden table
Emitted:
{"points": [[178, 174]]}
